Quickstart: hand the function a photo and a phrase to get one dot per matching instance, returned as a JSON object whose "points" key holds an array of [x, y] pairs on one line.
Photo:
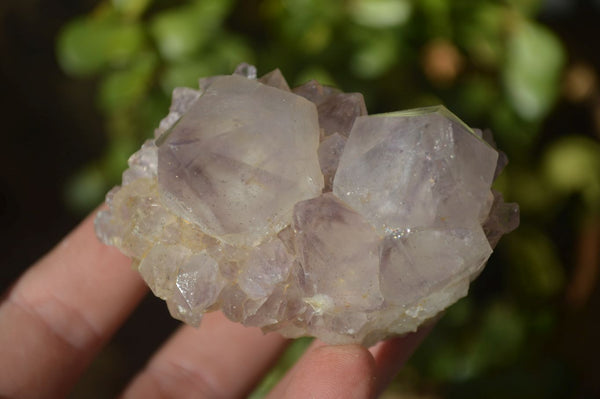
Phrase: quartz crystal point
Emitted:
{"points": [[337, 110], [294, 211], [240, 158], [416, 170]]}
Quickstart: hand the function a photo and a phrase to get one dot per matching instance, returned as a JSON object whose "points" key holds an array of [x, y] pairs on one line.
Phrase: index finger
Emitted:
{"points": [[60, 312]]}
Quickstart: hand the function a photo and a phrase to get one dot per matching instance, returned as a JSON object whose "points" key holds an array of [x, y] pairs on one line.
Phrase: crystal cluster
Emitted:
{"points": [[294, 211]]}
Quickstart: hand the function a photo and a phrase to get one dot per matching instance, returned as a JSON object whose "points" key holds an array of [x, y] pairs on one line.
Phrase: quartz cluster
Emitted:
{"points": [[294, 211]]}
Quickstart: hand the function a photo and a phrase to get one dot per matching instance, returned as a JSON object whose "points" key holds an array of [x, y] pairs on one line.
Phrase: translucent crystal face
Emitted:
{"points": [[240, 158], [415, 170], [295, 212]]}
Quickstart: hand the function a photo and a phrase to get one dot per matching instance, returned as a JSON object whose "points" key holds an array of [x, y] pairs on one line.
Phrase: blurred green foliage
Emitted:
{"points": [[489, 61]]}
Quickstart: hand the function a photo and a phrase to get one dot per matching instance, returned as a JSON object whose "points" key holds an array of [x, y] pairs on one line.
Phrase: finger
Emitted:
{"points": [[60, 312], [348, 371], [343, 371], [391, 355], [221, 359]]}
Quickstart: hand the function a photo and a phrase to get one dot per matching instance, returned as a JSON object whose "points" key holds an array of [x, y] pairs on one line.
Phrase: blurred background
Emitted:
{"points": [[83, 83]]}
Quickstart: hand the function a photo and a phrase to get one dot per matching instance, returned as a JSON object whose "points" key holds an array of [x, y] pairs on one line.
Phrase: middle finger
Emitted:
{"points": [[221, 359]]}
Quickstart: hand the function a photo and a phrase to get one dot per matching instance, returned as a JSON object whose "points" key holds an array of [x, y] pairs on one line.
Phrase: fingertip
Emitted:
{"points": [[391, 355], [343, 371], [221, 359], [349, 359]]}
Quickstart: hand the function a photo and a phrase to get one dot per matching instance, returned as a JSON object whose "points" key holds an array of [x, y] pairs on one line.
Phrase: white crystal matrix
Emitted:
{"points": [[294, 211]]}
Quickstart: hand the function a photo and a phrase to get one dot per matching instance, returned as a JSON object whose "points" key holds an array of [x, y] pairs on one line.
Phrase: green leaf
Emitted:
{"points": [[214, 11], [536, 270], [459, 314], [81, 47], [502, 334], [229, 52], [151, 110], [514, 134], [185, 74], [530, 190], [526, 7], [535, 60], [115, 159], [483, 35], [131, 8], [88, 45], [85, 189], [476, 96], [124, 88], [572, 164], [178, 33], [125, 43], [303, 26], [182, 32], [437, 17], [316, 38], [380, 13], [375, 56]]}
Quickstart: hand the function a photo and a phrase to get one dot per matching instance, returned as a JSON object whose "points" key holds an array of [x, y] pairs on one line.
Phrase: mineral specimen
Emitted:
{"points": [[294, 211]]}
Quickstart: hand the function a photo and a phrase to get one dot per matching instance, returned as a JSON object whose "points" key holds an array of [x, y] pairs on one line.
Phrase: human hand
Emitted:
{"points": [[58, 315]]}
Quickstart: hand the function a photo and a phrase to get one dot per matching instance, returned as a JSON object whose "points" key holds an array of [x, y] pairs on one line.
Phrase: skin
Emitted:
{"points": [[60, 313]]}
